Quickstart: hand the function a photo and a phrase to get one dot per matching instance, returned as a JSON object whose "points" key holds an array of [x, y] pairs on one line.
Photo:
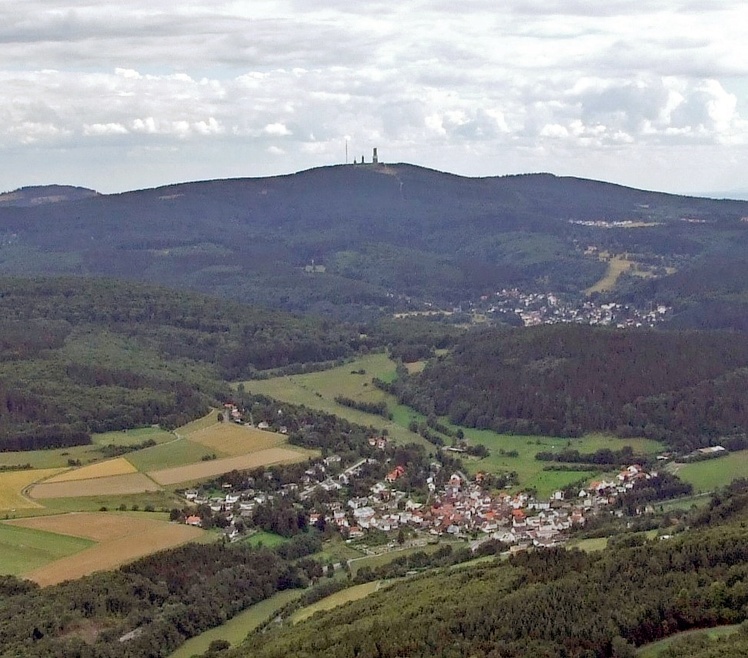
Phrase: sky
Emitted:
{"points": [[129, 95]]}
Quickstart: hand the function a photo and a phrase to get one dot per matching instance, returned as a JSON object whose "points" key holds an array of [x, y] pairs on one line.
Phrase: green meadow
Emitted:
{"points": [[318, 391], [177, 452], [714, 473], [25, 549], [236, 629], [656, 648], [334, 600]]}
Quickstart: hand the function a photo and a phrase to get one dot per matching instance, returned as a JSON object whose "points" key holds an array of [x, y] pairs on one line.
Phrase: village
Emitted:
{"points": [[553, 308], [460, 508]]}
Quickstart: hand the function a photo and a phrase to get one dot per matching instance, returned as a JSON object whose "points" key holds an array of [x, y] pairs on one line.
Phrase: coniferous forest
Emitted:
{"points": [[684, 388]]}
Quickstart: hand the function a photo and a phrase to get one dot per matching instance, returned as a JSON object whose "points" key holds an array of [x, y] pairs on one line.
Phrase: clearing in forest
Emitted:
{"points": [[119, 466], [121, 538], [13, 484], [233, 439], [334, 600], [213, 467], [130, 483]]}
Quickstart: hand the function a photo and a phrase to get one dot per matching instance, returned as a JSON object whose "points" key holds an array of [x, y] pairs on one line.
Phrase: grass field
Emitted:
{"points": [[589, 545], [131, 483], [51, 458], [714, 473], [232, 439], [119, 466], [13, 484], [120, 538], [653, 650], [529, 469], [23, 549], [617, 265], [213, 467], [177, 452], [334, 600], [132, 437], [236, 629], [318, 390], [159, 500], [267, 539]]}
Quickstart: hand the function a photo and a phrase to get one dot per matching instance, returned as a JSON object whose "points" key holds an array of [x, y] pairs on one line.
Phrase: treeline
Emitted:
{"points": [[376, 408], [555, 603], [148, 608], [684, 388], [604, 456]]}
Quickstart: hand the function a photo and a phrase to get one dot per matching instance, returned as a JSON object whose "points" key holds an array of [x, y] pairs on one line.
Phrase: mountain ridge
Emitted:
{"points": [[377, 238]]}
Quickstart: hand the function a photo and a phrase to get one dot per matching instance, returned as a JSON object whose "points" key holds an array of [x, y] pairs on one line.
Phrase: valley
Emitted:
{"points": [[507, 411]]}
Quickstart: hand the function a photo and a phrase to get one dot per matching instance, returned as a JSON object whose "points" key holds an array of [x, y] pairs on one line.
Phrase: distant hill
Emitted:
{"points": [[352, 241], [41, 194]]}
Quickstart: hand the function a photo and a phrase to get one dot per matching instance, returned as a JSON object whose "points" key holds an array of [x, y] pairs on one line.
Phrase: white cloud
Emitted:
{"points": [[543, 83], [277, 129]]}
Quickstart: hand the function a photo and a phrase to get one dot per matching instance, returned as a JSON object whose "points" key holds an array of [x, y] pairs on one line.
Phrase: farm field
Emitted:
{"points": [[215, 467], [119, 466], [177, 452], [120, 538], [714, 473], [334, 600], [13, 484], [103, 486], [51, 458], [23, 549], [232, 439], [236, 629], [158, 500]]}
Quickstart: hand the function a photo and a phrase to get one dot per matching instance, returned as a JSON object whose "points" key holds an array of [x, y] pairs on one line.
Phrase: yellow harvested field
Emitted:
{"points": [[102, 486], [119, 466], [215, 467], [122, 539], [13, 484], [233, 439]]}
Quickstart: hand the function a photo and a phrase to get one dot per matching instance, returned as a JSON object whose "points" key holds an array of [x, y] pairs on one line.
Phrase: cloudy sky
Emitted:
{"points": [[126, 95]]}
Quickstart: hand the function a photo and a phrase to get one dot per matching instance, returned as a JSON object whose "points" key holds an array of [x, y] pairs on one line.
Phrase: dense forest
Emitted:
{"points": [[85, 355], [554, 603], [147, 608], [351, 242], [685, 388]]}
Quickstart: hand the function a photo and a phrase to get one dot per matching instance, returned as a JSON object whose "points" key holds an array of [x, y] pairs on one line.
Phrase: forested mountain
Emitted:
{"points": [[351, 240], [83, 355], [685, 388]]}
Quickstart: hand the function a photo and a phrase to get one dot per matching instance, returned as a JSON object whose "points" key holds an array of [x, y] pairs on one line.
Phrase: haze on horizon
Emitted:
{"points": [[651, 95]]}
